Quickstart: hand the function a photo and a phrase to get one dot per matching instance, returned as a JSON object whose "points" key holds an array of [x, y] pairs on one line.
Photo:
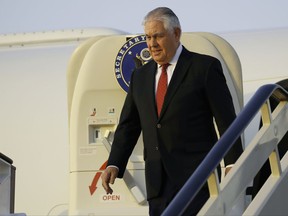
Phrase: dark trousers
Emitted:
{"points": [[158, 204]]}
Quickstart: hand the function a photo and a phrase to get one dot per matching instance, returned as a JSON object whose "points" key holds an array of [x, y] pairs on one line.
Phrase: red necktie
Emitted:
{"points": [[162, 88]]}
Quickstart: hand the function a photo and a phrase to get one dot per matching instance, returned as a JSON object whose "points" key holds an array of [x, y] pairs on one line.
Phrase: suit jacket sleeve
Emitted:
{"points": [[221, 103], [126, 134]]}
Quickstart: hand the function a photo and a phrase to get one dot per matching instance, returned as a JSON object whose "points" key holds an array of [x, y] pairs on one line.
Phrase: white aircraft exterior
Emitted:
{"points": [[36, 123]]}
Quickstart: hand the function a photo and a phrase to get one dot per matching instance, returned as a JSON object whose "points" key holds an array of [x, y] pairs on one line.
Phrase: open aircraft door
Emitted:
{"points": [[98, 78]]}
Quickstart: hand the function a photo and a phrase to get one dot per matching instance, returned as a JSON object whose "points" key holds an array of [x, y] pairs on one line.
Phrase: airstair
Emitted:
{"points": [[273, 195], [7, 187]]}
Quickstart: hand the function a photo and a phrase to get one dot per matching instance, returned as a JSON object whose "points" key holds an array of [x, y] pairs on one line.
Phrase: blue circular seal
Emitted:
{"points": [[133, 54]]}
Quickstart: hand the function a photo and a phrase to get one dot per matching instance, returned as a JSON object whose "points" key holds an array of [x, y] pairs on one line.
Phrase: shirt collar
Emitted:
{"points": [[176, 56]]}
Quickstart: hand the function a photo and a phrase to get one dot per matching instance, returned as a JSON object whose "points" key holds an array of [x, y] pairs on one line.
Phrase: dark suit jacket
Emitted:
{"points": [[184, 133]]}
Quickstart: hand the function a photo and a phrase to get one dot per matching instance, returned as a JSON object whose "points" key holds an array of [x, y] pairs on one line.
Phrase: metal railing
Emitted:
{"points": [[7, 185], [206, 170]]}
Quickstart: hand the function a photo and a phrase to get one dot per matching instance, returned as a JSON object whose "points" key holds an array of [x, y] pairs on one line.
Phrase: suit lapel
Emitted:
{"points": [[179, 73], [151, 86]]}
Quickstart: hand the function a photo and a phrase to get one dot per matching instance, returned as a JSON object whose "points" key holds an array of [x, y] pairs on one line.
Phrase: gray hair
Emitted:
{"points": [[165, 15]]}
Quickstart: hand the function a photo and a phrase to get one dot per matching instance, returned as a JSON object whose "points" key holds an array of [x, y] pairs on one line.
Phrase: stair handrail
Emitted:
{"points": [[223, 145]]}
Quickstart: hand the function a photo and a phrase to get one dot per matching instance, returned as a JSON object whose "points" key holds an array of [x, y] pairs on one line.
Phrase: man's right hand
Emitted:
{"points": [[108, 177]]}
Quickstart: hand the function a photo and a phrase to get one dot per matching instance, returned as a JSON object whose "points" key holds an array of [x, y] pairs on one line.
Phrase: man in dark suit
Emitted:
{"points": [[177, 137]]}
